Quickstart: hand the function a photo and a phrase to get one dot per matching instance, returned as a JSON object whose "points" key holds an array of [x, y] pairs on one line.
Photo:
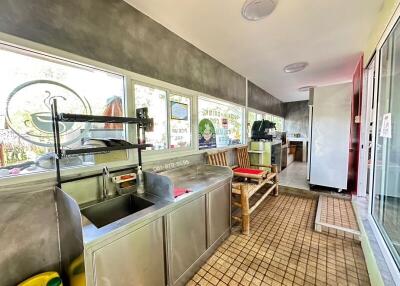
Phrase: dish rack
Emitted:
{"points": [[142, 121]]}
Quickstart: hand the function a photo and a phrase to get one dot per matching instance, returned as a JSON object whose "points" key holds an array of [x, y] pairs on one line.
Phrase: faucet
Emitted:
{"points": [[106, 177]]}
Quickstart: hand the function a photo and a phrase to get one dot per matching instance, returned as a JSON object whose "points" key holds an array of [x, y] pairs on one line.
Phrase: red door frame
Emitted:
{"points": [[355, 127]]}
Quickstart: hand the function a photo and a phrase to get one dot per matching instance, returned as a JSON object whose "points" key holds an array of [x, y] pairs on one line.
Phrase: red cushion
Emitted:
{"points": [[248, 171]]}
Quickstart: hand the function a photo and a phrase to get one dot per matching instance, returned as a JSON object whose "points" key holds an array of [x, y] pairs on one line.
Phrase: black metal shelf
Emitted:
{"points": [[142, 121], [95, 150], [70, 117]]}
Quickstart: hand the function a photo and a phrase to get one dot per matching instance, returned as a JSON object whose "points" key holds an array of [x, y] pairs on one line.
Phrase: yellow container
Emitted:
{"points": [[43, 279], [76, 272]]}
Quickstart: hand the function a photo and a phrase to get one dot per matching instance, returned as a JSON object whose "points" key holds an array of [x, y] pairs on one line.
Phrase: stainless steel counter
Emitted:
{"points": [[199, 179]]}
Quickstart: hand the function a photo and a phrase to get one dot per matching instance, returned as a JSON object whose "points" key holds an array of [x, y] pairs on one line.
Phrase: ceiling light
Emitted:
{"points": [[296, 67], [306, 88], [254, 10]]}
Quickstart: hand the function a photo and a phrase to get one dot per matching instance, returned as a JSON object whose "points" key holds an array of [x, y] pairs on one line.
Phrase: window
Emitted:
{"points": [[156, 101], [251, 118], [167, 110], [254, 115], [275, 119], [220, 124], [386, 167], [29, 82], [278, 122], [180, 121]]}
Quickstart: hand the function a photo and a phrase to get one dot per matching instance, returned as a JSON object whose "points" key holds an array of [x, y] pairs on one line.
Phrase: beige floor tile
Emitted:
{"points": [[284, 249]]}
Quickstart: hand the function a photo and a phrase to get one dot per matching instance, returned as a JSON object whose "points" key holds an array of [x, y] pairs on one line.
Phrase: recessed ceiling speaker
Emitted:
{"points": [[254, 10]]}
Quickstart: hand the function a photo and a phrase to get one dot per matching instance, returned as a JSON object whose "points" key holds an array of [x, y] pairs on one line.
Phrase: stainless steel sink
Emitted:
{"points": [[114, 209]]}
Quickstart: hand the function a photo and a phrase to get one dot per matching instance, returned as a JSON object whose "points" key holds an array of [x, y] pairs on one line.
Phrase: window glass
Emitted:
{"points": [[251, 117], [156, 101], [29, 82], [278, 123], [268, 117], [180, 121], [220, 124], [386, 175]]}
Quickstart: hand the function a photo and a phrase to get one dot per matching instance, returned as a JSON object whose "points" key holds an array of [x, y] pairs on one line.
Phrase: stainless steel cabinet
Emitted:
{"points": [[219, 202], [186, 236], [135, 259]]}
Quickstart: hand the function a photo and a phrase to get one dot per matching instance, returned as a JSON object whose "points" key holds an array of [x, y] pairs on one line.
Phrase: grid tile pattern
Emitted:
{"points": [[283, 249], [339, 212]]}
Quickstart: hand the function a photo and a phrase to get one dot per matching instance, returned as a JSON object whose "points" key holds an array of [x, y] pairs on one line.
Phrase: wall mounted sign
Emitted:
{"points": [[386, 129]]}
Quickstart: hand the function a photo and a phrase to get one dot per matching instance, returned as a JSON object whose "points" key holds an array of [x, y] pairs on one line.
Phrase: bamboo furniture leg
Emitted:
{"points": [[244, 201], [274, 169]]}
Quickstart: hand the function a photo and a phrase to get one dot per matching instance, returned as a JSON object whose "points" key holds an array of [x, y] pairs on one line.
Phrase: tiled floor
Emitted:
{"points": [[295, 176], [338, 211], [336, 216], [283, 249]]}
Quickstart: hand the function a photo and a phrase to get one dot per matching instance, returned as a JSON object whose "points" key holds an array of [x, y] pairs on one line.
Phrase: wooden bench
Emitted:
{"points": [[247, 182]]}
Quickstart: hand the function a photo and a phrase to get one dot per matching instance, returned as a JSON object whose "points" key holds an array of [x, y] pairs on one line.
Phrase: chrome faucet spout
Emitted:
{"points": [[106, 176]]}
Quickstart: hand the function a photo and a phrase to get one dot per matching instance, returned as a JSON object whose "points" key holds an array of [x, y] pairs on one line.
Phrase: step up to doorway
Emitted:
{"points": [[335, 216]]}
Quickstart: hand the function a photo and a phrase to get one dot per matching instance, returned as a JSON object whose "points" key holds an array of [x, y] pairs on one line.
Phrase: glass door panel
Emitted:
{"points": [[386, 188]]}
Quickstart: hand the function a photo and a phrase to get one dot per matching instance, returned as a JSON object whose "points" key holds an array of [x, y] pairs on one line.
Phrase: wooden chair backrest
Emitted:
{"points": [[218, 158], [243, 158]]}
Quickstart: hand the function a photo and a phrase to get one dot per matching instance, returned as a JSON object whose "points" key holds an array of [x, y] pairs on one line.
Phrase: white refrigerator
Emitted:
{"points": [[330, 135]]}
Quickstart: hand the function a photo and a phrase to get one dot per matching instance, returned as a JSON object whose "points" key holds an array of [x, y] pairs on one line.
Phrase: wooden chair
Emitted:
{"points": [[218, 158], [255, 171], [247, 182]]}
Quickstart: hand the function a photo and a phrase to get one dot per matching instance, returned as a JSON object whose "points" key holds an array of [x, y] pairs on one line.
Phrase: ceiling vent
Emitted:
{"points": [[254, 10]]}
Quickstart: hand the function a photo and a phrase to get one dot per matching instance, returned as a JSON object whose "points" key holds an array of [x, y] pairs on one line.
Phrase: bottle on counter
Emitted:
{"points": [[140, 181]]}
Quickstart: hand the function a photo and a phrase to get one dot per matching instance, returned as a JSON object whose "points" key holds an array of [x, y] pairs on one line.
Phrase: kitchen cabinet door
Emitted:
{"points": [[219, 202], [135, 259], [186, 229]]}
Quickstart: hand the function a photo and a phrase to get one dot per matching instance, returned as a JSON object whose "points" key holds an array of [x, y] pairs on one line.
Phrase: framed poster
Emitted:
{"points": [[207, 135], [179, 111]]}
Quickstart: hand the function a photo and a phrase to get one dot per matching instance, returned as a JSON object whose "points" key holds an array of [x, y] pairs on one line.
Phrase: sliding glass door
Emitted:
{"points": [[386, 184]]}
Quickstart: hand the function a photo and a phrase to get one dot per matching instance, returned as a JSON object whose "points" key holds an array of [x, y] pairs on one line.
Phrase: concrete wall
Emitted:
{"points": [[296, 117], [113, 32], [261, 100]]}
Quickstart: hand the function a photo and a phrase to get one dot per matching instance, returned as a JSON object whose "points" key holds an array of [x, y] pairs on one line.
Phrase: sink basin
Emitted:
{"points": [[114, 209]]}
